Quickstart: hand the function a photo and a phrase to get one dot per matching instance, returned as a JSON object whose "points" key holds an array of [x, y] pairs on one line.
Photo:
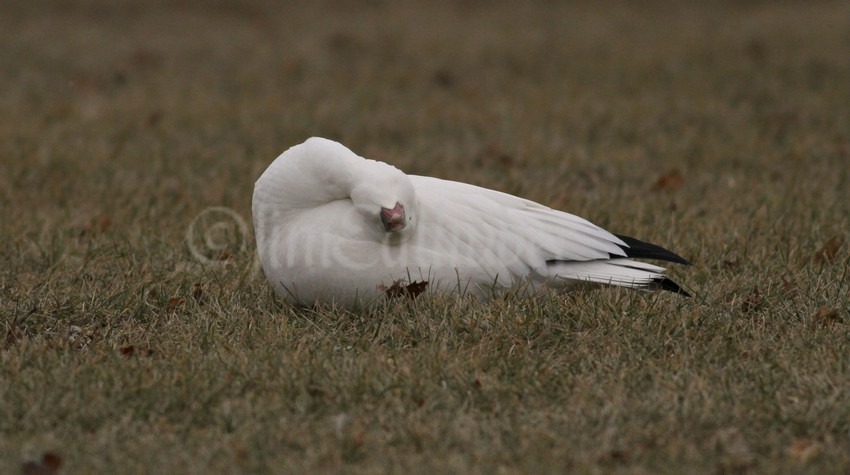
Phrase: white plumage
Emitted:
{"points": [[333, 227]]}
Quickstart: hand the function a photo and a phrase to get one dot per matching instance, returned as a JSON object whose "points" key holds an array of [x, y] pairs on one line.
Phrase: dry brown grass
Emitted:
{"points": [[719, 130]]}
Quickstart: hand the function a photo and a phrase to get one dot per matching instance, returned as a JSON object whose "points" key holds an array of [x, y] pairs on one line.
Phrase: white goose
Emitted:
{"points": [[336, 228]]}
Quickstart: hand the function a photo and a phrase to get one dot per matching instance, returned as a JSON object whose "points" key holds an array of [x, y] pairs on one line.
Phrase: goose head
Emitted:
{"points": [[385, 197]]}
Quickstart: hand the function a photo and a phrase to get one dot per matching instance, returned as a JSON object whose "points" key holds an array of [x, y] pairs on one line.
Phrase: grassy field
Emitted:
{"points": [[139, 337]]}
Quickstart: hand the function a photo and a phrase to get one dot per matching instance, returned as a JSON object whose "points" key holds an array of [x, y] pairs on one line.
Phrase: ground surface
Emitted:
{"points": [[721, 131]]}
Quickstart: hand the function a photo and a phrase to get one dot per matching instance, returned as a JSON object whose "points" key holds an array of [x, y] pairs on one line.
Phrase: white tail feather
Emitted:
{"points": [[620, 272]]}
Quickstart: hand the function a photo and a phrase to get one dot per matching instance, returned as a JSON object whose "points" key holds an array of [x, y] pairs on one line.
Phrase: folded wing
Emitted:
{"points": [[509, 239]]}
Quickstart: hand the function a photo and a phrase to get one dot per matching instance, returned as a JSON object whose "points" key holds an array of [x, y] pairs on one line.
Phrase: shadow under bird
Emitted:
{"points": [[336, 228]]}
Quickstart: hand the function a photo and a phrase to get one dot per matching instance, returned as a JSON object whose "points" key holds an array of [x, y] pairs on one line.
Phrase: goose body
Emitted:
{"points": [[336, 228]]}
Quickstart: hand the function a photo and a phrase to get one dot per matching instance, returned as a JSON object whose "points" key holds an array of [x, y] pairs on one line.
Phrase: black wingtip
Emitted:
{"points": [[643, 250], [663, 283]]}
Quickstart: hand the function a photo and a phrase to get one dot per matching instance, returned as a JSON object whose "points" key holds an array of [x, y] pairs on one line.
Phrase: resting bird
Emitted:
{"points": [[336, 228]]}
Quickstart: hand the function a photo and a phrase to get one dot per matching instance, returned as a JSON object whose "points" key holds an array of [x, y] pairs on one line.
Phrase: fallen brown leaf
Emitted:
{"points": [[830, 248], [173, 303], [827, 316], [614, 457], [416, 288], [399, 289], [752, 302], [223, 255], [803, 449], [49, 465], [669, 181], [52, 461]]}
